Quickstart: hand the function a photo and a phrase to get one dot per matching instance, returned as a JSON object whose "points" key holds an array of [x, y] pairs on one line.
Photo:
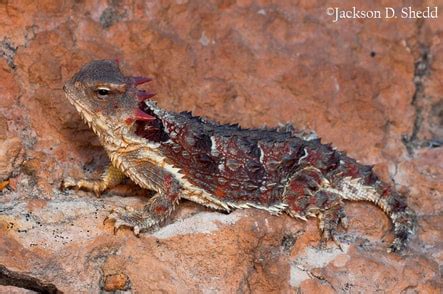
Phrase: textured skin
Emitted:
{"points": [[220, 166]]}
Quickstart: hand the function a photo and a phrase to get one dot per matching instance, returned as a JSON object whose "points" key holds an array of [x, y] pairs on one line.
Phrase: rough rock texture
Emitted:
{"points": [[372, 87]]}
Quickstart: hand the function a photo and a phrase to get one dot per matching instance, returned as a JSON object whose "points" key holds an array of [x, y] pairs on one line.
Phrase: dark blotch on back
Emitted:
{"points": [[203, 142]]}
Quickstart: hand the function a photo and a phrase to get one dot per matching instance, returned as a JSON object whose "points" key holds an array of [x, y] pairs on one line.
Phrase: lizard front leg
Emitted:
{"points": [[157, 209], [111, 177]]}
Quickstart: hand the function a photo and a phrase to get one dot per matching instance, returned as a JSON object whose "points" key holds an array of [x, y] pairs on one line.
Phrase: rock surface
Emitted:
{"points": [[372, 87]]}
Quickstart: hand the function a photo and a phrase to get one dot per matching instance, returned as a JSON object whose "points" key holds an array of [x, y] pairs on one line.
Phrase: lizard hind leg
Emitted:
{"points": [[331, 216], [305, 195], [329, 210]]}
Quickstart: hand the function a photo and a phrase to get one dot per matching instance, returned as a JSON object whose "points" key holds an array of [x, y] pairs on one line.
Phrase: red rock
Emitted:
{"points": [[252, 62], [114, 277], [115, 282], [313, 286], [3, 127], [4, 184], [11, 157], [8, 87], [12, 182]]}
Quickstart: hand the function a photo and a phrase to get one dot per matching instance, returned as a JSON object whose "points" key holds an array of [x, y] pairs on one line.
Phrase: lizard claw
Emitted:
{"points": [[344, 222], [129, 217], [117, 225], [136, 230], [68, 183], [94, 186], [106, 218]]}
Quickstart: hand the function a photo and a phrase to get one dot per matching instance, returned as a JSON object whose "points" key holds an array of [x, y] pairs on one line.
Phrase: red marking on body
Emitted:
{"points": [[129, 120], [293, 201], [313, 157], [314, 175], [266, 198], [219, 192], [312, 200], [167, 182], [296, 187], [386, 191], [354, 172], [160, 209]]}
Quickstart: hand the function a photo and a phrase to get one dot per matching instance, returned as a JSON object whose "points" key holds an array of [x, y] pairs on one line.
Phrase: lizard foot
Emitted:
{"points": [[329, 221], [69, 183], [405, 226], [111, 177], [90, 185], [138, 220]]}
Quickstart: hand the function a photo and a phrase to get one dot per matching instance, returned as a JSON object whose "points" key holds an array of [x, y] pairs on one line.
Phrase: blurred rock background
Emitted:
{"points": [[371, 87]]}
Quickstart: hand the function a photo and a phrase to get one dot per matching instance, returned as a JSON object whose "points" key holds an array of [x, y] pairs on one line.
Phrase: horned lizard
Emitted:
{"points": [[223, 167]]}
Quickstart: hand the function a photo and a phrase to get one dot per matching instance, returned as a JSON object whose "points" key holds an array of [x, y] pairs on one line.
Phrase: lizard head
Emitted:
{"points": [[106, 99]]}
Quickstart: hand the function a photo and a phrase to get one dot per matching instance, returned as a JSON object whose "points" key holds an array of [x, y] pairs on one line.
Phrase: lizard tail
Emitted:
{"points": [[358, 182]]}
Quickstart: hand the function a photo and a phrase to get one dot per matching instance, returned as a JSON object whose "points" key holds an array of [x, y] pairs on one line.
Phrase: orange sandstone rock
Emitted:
{"points": [[251, 62]]}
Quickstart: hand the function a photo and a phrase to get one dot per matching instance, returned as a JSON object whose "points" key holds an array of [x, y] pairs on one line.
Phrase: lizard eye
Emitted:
{"points": [[102, 92]]}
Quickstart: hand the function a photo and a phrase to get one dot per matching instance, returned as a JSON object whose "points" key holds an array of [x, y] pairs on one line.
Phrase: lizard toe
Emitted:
{"points": [[129, 217], [68, 183]]}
